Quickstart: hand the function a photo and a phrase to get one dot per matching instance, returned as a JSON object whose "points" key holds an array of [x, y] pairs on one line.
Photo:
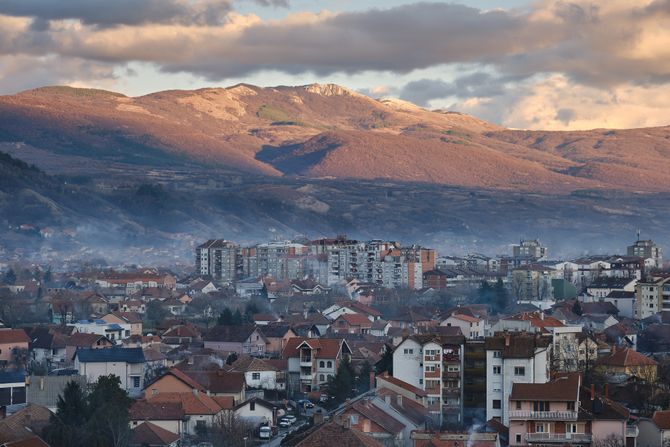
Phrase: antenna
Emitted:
{"points": [[638, 234]]}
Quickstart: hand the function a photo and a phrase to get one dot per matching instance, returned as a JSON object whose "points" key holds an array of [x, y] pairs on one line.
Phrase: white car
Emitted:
{"points": [[291, 419], [265, 432], [283, 423]]}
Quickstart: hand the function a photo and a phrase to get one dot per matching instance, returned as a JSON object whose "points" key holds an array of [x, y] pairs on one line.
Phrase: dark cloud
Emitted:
{"points": [[478, 84], [120, 12]]}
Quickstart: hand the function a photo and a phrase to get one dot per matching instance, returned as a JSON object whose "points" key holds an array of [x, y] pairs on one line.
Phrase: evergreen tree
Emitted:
{"points": [[109, 409], [363, 379], [385, 364], [341, 384], [237, 318], [226, 317], [577, 308], [67, 426], [501, 294], [48, 275], [10, 277]]}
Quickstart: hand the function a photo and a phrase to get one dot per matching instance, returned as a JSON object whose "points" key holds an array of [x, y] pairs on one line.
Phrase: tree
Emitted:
{"points": [[341, 384], [48, 275], [577, 308], [156, 312], [386, 362], [67, 426], [109, 409], [363, 378], [612, 440], [10, 277], [237, 318], [226, 317], [229, 430]]}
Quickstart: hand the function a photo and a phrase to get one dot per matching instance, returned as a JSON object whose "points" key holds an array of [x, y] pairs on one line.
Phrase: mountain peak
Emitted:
{"points": [[329, 90]]}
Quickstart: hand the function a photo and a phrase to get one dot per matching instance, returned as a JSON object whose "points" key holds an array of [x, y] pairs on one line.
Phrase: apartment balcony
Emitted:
{"points": [[632, 431], [432, 374], [306, 377], [451, 391], [559, 438], [432, 358], [305, 361], [543, 415], [432, 390], [451, 374]]}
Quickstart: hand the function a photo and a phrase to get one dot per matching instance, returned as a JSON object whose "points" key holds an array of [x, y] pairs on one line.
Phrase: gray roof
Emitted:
{"points": [[44, 390], [128, 355]]}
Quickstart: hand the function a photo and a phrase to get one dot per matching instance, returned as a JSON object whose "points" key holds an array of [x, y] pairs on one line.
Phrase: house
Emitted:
{"points": [[202, 286], [563, 412], [351, 323], [472, 327], [47, 346], [309, 287], [174, 306], [623, 363], [126, 363], [114, 332], [169, 416], [244, 339], [12, 342], [214, 382], [512, 359], [312, 362], [45, 390], [326, 434], [200, 410], [257, 412], [181, 334], [277, 335], [386, 425], [351, 307], [265, 319], [624, 301], [21, 428], [455, 439], [380, 328], [435, 279], [98, 302], [80, 340], [259, 374], [131, 322], [655, 431], [150, 435], [136, 306]]}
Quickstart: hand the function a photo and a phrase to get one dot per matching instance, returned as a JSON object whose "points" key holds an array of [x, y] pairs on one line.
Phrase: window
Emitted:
{"points": [[136, 382], [540, 427], [571, 406], [354, 419], [154, 391], [541, 406], [497, 354], [497, 369], [519, 370], [408, 351], [322, 377], [518, 438], [518, 405], [200, 425], [330, 364], [570, 428], [497, 404], [255, 376], [453, 368], [252, 406], [322, 364]]}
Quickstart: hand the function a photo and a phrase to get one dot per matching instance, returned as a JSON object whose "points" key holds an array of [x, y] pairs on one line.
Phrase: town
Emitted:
{"points": [[369, 343]]}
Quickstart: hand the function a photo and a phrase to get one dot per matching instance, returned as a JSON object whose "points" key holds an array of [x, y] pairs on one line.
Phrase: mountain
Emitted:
{"points": [[327, 131]]}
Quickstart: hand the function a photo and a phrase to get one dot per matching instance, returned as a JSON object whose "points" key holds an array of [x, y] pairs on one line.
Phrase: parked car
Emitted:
{"points": [[265, 432], [291, 419], [283, 423], [305, 403]]}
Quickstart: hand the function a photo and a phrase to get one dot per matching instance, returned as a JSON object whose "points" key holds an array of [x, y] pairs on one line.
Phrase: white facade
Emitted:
{"points": [[502, 372], [131, 374], [471, 327]]}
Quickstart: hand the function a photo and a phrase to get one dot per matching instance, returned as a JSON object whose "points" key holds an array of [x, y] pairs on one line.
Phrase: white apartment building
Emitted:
{"points": [[217, 258], [434, 363], [652, 296], [512, 358]]}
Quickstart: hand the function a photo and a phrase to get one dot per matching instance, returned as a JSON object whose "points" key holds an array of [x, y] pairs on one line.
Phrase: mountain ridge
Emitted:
{"points": [[291, 131]]}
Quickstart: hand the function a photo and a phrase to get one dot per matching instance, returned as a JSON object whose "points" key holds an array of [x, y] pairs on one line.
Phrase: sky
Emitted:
{"points": [[530, 64]]}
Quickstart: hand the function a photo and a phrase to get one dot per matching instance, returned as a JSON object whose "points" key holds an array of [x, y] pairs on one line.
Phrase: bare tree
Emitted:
{"points": [[230, 430], [612, 440]]}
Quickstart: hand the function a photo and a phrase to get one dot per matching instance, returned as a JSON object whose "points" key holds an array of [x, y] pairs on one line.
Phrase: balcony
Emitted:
{"points": [[451, 391], [431, 358], [306, 377], [561, 438], [305, 361], [543, 415], [632, 431], [432, 374], [451, 374], [432, 390]]}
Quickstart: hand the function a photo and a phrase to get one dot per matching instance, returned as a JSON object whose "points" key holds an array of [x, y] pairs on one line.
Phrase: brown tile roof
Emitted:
{"points": [[562, 389], [327, 348], [219, 381], [360, 307], [82, 340], [402, 384], [24, 423], [33, 441], [356, 320], [182, 330], [130, 317], [662, 419], [376, 415], [152, 410], [626, 357], [520, 346], [247, 363], [408, 407], [191, 403], [226, 402], [152, 435], [233, 334], [331, 434], [13, 336], [600, 408]]}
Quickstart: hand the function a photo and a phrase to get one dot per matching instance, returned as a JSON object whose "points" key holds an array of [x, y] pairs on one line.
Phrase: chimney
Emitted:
{"points": [[372, 380], [399, 400], [593, 391], [607, 390], [506, 339]]}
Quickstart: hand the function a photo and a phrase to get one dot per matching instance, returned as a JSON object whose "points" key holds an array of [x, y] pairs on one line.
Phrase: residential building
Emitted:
{"points": [[532, 282], [510, 359], [126, 363], [312, 362], [472, 327], [218, 259], [529, 249], [12, 343], [259, 374], [624, 363], [435, 364], [353, 323], [647, 249], [131, 322], [149, 434], [652, 296], [244, 339]]}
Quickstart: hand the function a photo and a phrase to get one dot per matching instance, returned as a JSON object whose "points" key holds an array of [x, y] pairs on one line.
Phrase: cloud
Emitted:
{"points": [[120, 12]]}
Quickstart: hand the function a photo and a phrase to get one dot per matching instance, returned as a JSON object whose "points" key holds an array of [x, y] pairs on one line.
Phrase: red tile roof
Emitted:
{"points": [[327, 348], [562, 389], [13, 336], [153, 410], [150, 434], [356, 320], [662, 419], [191, 403], [399, 383], [626, 357]]}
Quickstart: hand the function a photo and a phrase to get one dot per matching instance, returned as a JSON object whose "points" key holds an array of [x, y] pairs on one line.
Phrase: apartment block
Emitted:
{"points": [[217, 258]]}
